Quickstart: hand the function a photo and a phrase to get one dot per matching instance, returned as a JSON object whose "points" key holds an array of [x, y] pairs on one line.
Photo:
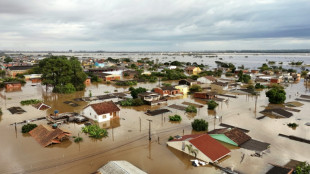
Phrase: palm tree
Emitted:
{"points": [[191, 150]]}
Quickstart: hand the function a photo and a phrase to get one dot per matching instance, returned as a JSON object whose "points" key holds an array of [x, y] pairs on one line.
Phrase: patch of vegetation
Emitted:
{"points": [[64, 89], [166, 84], [212, 105], [126, 83], [94, 78], [175, 118], [228, 74], [200, 125], [259, 86], [243, 77], [195, 88], [28, 127], [264, 67], [10, 79], [271, 62], [95, 131], [132, 102], [292, 125], [78, 139], [1, 112], [276, 94], [191, 109], [303, 168], [296, 63], [170, 138], [135, 91], [30, 102]]}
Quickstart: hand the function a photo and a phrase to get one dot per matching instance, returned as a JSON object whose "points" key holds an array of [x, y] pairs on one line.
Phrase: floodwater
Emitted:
{"points": [[128, 139]]}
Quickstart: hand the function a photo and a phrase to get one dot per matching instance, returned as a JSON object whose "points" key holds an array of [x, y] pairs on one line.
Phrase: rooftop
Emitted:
{"points": [[104, 107]]}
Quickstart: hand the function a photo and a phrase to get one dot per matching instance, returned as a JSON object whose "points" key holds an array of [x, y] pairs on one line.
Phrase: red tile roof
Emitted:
{"points": [[105, 107], [45, 135], [210, 147]]}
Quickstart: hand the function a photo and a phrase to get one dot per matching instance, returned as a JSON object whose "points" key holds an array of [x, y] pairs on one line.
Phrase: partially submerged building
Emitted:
{"points": [[167, 90], [233, 136], [205, 95], [119, 167], [151, 98], [46, 136], [100, 112], [208, 149]]}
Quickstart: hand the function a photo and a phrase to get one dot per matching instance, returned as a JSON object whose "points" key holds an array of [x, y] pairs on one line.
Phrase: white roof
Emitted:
{"points": [[120, 167]]}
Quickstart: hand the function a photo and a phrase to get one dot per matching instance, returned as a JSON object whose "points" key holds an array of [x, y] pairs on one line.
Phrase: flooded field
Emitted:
{"points": [[128, 139]]}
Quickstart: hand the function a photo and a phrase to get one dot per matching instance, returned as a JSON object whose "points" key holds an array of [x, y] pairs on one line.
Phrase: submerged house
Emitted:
{"points": [[188, 82], [150, 98], [108, 77], [100, 112], [205, 95], [120, 167], [206, 79], [233, 136], [46, 136], [192, 70], [10, 86], [184, 89], [167, 90], [204, 147], [219, 86]]}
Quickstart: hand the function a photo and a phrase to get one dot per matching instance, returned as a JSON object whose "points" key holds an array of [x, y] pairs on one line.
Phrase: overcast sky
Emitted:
{"points": [[154, 25]]}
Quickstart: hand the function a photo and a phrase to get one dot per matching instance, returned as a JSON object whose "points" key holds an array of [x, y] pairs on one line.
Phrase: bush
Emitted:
{"points": [[303, 168], [276, 95], [191, 108], [200, 125], [195, 88], [228, 74], [135, 91], [212, 105], [175, 118], [259, 86], [64, 89], [0, 111], [170, 138], [132, 102], [95, 131], [78, 139], [126, 83], [28, 127], [30, 102], [292, 125]]}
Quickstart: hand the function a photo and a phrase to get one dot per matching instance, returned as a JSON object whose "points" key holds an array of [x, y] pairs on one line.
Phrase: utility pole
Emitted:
{"points": [[149, 129]]}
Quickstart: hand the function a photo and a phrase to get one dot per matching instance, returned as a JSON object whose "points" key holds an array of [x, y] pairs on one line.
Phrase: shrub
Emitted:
{"points": [[292, 125], [95, 131], [126, 83], [170, 138], [259, 86], [78, 139], [200, 125], [30, 102], [132, 102], [175, 118], [195, 88], [212, 104], [303, 168], [64, 89], [28, 127], [191, 108]]}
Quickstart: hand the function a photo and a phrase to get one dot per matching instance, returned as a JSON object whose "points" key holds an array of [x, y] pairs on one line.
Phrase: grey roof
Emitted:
{"points": [[120, 167], [147, 94], [220, 83], [12, 68]]}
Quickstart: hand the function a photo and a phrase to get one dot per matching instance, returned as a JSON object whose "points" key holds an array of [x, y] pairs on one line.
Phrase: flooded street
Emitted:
{"points": [[128, 139]]}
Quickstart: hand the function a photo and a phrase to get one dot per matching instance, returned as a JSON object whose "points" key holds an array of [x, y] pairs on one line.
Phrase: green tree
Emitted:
{"points": [[8, 60], [62, 74], [2, 73], [200, 125], [135, 91], [195, 88], [303, 168], [212, 105], [28, 127], [276, 94]]}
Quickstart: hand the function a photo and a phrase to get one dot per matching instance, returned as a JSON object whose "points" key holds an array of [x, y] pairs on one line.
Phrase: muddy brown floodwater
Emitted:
{"points": [[128, 139]]}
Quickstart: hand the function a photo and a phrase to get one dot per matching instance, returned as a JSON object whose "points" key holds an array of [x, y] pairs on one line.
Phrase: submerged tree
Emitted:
{"points": [[276, 94]]}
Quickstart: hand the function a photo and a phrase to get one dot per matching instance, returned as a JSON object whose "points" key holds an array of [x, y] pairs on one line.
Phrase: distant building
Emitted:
{"points": [[70, 51], [188, 82], [12, 86], [205, 95], [167, 90], [206, 79], [184, 89], [192, 70], [13, 70], [108, 77], [100, 112], [219, 86]]}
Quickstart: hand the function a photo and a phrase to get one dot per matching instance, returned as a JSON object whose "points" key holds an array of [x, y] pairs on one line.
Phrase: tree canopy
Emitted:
{"points": [[65, 75], [276, 94]]}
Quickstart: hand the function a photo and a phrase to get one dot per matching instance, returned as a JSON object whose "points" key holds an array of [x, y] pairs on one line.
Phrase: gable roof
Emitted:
{"points": [[235, 134], [220, 83], [104, 107], [211, 78], [45, 135], [210, 147]]}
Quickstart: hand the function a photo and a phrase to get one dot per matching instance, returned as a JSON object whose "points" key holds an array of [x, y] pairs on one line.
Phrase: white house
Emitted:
{"points": [[100, 112], [206, 79], [201, 146]]}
